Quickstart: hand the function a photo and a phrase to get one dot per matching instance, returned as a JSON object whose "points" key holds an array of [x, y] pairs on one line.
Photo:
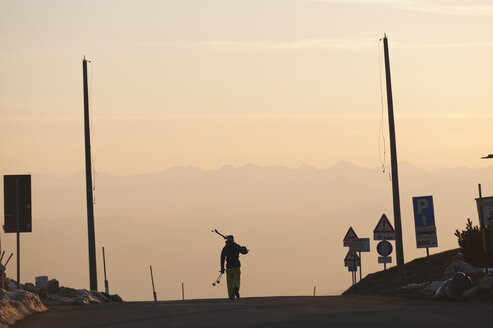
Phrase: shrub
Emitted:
{"points": [[471, 243]]}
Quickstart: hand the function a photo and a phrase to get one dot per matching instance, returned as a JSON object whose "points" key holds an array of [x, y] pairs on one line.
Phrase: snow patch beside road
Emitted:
{"points": [[16, 305]]}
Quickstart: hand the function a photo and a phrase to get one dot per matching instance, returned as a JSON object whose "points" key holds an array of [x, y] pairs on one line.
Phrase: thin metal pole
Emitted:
{"points": [[384, 266], [153, 290], [428, 266], [18, 234], [93, 279], [314, 289], [182, 291], [360, 271], [106, 286], [483, 235], [395, 176]]}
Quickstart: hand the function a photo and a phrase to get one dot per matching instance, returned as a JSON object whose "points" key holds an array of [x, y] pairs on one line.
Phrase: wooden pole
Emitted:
{"points": [[93, 278], [395, 176]]}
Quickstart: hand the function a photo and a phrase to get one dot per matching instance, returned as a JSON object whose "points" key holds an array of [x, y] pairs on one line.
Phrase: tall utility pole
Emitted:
{"points": [[93, 279], [395, 176]]}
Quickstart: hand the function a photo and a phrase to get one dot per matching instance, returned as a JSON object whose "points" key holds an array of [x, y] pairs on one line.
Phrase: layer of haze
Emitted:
{"points": [[208, 83], [292, 220], [273, 82]]}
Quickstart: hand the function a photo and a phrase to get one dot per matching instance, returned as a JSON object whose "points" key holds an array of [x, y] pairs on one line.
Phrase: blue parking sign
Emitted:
{"points": [[424, 214]]}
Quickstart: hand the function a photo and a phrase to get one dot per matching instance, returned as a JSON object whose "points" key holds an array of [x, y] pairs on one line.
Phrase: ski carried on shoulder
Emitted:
{"points": [[225, 237], [220, 234]]}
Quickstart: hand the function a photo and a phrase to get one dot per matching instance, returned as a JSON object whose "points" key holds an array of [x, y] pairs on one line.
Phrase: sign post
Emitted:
{"points": [[350, 235], [487, 214], [17, 209], [359, 245], [424, 223], [384, 248], [482, 221], [384, 231], [352, 261]]}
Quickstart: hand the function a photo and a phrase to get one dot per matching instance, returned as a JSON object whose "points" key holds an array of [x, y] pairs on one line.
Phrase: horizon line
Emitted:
{"points": [[251, 164]]}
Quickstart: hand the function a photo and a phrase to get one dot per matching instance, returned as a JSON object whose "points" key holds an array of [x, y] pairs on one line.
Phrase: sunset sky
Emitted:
{"points": [[272, 82], [213, 83]]}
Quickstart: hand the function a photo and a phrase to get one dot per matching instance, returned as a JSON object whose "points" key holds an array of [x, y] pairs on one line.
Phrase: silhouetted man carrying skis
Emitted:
{"points": [[231, 253]]}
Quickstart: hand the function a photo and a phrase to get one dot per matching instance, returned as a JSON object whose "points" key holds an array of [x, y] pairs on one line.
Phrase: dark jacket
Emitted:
{"points": [[231, 253]]}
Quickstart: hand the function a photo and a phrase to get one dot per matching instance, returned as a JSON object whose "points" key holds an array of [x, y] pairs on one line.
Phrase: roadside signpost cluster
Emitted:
{"points": [[426, 235], [351, 261], [356, 245], [384, 231]]}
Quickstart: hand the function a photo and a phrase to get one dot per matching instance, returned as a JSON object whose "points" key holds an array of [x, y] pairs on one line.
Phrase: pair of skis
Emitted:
{"points": [[218, 280]]}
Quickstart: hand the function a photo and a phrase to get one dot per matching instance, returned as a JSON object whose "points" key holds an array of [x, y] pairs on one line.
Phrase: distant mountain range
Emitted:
{"points": [[293, 220]]}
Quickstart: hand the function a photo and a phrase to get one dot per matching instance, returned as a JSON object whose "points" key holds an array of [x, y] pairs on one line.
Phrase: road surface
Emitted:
{"points": [[320, 311]]}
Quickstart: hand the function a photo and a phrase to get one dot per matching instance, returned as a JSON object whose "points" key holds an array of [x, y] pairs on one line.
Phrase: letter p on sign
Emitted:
{"points": [[424, 215], [422, 204]]}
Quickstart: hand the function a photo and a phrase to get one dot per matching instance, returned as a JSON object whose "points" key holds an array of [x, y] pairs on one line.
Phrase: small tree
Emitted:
{"points": [[471, 243]]}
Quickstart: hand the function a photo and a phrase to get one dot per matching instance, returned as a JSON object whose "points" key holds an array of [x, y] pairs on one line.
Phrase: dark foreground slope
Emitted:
{"points": [[417, 271], [320, 311]]}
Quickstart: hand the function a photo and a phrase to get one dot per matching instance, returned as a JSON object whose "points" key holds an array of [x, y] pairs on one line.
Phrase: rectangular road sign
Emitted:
{"points": [[359, 245], [17, 203], [352, 269], [424, 215], [424, 222], [385, 259], [426, 237], [487, 211]]}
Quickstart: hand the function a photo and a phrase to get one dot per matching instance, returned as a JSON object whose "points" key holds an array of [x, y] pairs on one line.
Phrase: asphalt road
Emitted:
{"points": [[320, 311]]}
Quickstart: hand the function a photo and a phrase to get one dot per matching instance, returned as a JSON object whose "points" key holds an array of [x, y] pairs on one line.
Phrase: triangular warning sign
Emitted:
{"points": [[384, 225], [350, 234], [384, 229], [351, 256], [352, 260]]}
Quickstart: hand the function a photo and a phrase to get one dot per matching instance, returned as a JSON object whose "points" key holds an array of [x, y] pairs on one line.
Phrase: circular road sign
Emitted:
{"points": [[384, 248]]}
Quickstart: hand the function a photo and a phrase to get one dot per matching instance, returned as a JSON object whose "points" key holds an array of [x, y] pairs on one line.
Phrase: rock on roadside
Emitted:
{"points": [[66, 296]]}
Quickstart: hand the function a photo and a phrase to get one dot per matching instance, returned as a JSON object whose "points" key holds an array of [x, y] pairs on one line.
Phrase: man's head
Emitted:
{"points": [[230, 238]]}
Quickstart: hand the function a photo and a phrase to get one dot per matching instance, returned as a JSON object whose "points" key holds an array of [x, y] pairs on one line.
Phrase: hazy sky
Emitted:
{"points": [[209, 83], [272, 82]]}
